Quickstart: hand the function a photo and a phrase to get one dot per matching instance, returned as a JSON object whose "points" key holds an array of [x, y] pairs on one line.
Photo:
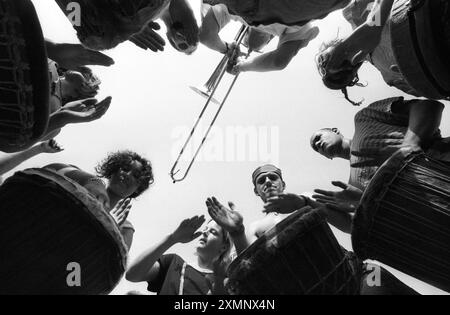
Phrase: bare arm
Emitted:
{"points": [[145, 267], [424, 121], [275, 60], [209, 33], [8, 162]]}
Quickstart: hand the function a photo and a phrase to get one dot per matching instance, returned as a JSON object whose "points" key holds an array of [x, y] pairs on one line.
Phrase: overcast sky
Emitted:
{"points": [[153, 105]]}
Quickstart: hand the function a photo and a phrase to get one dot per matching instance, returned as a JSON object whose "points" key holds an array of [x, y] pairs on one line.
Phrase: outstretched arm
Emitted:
{"points": [[73, 56], [8, 162], [146, 267], [209, 32], [275, 60]]}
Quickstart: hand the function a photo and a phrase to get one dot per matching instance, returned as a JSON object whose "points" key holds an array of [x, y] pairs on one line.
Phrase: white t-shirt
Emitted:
{"points": [[285, 33]]}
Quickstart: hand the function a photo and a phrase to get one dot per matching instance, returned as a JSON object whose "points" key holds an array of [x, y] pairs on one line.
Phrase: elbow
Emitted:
{"points": [[280, 64], [132, 277]]}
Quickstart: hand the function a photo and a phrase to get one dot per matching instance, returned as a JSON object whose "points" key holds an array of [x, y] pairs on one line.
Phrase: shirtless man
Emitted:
{"points": [[269, 186]]}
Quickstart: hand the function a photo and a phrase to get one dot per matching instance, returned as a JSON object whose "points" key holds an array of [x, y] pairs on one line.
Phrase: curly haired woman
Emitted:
{"points": [[128, 176]]}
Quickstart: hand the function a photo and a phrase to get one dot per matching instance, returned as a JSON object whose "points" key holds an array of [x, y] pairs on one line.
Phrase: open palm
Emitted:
{"points": [[229, 219]]}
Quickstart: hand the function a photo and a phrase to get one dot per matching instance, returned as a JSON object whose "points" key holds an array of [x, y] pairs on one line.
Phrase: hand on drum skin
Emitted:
{"points": [[85, 110], [380, 148], [285, 204], [229, 219], [187, 231], [348, 199], [50, 146], [73, 56], [121, 211], [147, 38]]}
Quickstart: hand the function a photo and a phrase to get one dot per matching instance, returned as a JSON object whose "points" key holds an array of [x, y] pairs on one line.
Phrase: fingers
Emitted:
{"points": [[324, 192], [89, 102], [232, 206], [101, 108], [339, 184], [98, 59]]}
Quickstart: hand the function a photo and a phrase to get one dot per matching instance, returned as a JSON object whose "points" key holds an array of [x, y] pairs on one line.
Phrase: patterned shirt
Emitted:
{"points": [[376, 119]]}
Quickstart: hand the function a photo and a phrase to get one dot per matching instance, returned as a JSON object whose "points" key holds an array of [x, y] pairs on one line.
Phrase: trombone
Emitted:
{"points": [[211, 87]]}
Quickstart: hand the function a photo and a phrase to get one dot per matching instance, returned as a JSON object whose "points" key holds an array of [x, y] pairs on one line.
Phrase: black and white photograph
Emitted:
{"points": [[224, 153]]}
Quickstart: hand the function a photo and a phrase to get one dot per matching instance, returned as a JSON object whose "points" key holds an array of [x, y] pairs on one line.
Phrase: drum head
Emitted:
{"points": [[24, 55]]}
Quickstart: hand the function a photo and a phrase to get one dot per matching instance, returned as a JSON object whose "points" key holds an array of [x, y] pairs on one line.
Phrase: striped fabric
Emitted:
{"points": [[376, 119]]}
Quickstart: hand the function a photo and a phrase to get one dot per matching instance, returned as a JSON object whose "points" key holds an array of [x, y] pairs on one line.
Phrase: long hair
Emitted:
{"points": [[348, 77]]}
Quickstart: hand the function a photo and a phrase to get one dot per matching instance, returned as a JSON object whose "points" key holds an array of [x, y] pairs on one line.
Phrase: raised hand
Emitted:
{"points": [[147, 38], [346, 200], [121, 211], [73, 56], [51, 146], [188, 230], [229, 219], [85, 110], [285, 203]]}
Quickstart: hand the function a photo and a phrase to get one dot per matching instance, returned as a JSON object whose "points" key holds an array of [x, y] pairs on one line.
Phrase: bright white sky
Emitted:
{"points": [[152, 103]]}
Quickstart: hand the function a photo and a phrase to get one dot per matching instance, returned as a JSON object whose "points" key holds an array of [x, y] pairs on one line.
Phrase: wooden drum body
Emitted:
{"points": [[300, 256], [404, 218], [24, 82], [420, 32], [48, 222]]}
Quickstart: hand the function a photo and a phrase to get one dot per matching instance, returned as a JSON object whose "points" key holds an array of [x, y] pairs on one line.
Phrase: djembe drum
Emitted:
{"points": [[404, 218], [47, 223], [300, 256], [420, 31], [24, 82]]}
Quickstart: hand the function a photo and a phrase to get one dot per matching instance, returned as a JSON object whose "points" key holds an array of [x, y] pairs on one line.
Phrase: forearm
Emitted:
{"points": [[424, 121], [275, 60], [142, 266], [340, 220], [11, 161], [209, 34], [241, 241]]}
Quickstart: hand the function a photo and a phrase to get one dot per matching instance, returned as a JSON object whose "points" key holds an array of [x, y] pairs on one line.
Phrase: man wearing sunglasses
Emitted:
{"points": [[269, 186], [292, 38]]}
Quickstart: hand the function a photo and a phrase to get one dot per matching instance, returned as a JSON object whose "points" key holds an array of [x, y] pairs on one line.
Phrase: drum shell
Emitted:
{"points": [[404, 218], [420, 42], [300, 256], [24, 82], [47, 222]]}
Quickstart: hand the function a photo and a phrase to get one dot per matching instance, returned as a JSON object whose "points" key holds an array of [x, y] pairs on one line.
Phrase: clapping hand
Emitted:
{"points": [[148, 38], [228, 218], [85, 110], [285, 204], [346, 200], [121, 211], [50, 146], [73, 56], [188, 230]]}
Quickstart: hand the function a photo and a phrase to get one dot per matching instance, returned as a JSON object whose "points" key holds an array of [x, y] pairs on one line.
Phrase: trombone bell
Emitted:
{"points": [[206, 94]]}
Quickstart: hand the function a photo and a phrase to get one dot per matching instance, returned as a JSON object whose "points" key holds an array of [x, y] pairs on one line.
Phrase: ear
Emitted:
{"points": [[284, 185], [256, 191]]}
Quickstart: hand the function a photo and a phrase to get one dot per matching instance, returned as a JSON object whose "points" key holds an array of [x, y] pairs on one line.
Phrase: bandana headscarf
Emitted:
{"points": [[269, 168]]}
